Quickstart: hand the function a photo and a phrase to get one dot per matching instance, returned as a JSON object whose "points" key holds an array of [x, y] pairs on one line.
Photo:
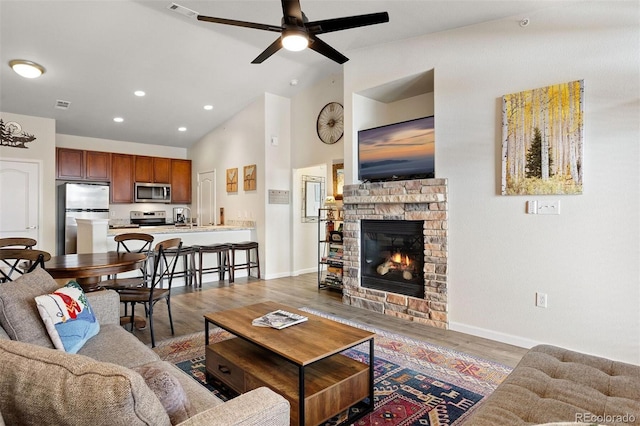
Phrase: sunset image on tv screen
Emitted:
{"points": [[404, 149]]}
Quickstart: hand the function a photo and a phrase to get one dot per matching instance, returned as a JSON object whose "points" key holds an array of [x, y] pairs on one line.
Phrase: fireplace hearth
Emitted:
{"points": [[393, 256], [402, 275]]}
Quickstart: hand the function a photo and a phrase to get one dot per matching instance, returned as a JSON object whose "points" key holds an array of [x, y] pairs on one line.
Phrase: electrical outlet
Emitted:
{"points": [[541, 300]]}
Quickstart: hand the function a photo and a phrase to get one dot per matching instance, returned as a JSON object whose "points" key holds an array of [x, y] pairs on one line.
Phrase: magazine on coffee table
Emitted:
{"points": [[279, 319]]}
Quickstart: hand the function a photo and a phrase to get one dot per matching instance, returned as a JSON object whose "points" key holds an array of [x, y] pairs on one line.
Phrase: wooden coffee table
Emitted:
{"points": [[301, 362]]}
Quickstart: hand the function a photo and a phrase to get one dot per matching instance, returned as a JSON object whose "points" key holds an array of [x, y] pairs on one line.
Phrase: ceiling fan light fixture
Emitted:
{"points": [[26, 69], [295, 39]]}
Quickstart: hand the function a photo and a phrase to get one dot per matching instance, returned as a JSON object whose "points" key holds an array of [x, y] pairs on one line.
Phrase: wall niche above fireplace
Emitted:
{"points": [[393, 256]]}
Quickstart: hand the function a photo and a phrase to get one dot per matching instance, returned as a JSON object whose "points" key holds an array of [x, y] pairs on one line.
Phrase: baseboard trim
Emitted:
{"points": [[304, 271], [494, 335]]}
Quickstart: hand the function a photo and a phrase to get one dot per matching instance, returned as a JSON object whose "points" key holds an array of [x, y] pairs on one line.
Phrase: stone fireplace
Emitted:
{"points": [[369, 258]]}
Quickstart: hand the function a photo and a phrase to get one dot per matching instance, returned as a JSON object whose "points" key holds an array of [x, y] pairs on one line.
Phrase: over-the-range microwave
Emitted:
{"points": [[152, 192]]}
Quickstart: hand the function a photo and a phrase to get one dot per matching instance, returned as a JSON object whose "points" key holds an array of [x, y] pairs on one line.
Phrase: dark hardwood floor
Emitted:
{"points": [[188, 305]]}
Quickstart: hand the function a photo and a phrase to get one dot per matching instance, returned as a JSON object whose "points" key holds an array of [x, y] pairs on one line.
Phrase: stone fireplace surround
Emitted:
{"points": [[421, 199]]}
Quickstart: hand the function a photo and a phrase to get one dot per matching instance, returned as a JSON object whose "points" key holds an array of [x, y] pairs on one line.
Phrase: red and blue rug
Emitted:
{"points": [[416, 383]]}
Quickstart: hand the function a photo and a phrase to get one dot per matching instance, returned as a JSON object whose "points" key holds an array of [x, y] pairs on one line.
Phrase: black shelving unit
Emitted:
{"points": [[330, 248]]}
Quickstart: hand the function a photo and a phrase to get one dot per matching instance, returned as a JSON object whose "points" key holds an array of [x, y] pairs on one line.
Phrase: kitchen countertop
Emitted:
{"points": [[172, 229]]}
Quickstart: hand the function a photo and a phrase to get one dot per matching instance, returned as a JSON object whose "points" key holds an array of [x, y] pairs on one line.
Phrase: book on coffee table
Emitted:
{"points": [[278, 319]]}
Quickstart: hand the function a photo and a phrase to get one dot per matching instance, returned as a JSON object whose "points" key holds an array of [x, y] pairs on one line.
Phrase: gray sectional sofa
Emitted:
{"points": [[113, 380]]}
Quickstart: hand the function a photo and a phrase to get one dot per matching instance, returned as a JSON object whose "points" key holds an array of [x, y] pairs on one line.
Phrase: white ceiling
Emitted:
{"points": [[98, 52]]}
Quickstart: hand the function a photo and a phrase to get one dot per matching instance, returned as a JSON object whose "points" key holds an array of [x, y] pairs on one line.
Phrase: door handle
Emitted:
{"points": [[31, 227]]}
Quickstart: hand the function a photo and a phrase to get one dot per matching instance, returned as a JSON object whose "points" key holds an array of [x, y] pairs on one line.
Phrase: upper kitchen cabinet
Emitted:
{"points": [[122, 183], [181, 181], [77, 164], [152, 169]]}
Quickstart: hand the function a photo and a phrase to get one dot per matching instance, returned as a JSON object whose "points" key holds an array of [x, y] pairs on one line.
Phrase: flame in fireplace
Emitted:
{"points": [[398, 259]]}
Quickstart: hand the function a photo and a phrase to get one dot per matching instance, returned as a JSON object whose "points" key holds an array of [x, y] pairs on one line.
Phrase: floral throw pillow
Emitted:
{"points": [[68, 317]]}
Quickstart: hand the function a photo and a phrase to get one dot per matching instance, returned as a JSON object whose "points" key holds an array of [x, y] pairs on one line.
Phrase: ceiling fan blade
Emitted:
{"points": [[291, 8], [324, 49], [240, 23], [273, 48], [337, 24]]}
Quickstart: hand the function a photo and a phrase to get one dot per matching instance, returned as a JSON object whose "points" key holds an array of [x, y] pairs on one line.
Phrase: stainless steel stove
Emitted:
{"points": [[151, 218]]}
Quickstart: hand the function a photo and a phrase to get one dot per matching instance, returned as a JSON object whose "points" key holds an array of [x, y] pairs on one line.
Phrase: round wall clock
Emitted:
{"points": [[330, 123]]}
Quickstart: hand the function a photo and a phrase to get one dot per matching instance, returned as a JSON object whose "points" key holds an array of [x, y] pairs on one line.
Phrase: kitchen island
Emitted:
{"points": [[98, 237]]}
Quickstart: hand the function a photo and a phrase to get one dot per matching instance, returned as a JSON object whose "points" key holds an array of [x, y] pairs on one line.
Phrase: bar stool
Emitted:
{"points": [[188, 255], [247, 246], [223, 256]]}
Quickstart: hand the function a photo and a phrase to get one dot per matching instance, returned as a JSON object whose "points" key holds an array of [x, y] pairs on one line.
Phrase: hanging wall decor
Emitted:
{"points": [[542, 140], [232, 180], [250, 178], [12, 135]]}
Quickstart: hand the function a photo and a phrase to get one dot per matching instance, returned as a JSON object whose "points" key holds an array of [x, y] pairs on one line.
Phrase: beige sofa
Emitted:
{"points": [[552, 384], [114, 379]]}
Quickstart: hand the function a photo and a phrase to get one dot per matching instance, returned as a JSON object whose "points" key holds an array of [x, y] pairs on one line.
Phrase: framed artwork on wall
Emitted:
{"points": [[232, 180], [338, 180], [542, 140], [250, 178]]}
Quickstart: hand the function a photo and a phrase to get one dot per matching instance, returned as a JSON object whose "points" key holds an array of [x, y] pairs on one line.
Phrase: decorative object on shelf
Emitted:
{"points": [[330, 123], [232, 180], [542, 140], [338, 180], [250, 177]]}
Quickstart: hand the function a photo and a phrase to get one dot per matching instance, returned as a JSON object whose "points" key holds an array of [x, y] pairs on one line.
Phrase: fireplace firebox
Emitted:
{"points": [[393, 256]]}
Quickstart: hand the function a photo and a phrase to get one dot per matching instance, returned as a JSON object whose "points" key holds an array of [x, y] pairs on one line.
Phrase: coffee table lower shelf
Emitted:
{"points": [[331, 385]]}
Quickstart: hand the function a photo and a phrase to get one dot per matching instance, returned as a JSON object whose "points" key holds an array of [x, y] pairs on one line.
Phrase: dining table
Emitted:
{"points": [[89, 268]]}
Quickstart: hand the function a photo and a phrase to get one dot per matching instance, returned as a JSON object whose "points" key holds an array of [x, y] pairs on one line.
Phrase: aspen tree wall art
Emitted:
{"points": [[542, 140]]}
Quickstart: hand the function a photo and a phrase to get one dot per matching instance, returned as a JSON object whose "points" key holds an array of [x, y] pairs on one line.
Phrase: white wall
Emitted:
{"points": [[587, 258], [276, 232], [313, 158], [304, 244], [42, 151]]}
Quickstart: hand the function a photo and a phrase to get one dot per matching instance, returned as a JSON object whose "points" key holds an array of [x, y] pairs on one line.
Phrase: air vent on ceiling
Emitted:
{"points": [[182, 10], [62, 104]]}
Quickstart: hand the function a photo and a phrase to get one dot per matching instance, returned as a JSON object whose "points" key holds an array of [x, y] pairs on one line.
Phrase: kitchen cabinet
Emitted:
{"points": [[180, 181], [77, 164], [122, 182], [152, 169]]}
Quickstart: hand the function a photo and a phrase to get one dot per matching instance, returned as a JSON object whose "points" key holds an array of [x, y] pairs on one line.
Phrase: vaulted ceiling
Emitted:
{"points": [[97, 53]]}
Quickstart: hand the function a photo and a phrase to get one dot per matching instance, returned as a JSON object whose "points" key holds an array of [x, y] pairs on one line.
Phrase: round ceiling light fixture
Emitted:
{"points": [[139, 93], [118, 119], [26, 69], [182, 129], [208, 107], [295, 39]]}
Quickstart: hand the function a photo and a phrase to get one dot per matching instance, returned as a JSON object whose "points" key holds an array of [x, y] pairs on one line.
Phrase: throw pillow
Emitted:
{"points": [[68, 317], [18, 312], [168, 390]]}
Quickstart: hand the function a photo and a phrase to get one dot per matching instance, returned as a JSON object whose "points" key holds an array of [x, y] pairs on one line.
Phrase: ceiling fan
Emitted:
{"points": [[297, 33]]}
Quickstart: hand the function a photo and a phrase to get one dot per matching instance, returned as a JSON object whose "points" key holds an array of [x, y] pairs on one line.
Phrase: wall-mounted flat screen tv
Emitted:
{"points": [[397, 151]]}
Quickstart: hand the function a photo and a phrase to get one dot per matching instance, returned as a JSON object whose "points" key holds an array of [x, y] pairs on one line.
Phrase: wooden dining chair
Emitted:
{"points": [[163, 269], [133, 242], [18, 261], [17, 242]]}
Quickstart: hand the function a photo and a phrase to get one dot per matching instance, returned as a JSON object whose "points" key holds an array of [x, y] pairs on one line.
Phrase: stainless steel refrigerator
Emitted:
{"points": [[78, 201]]}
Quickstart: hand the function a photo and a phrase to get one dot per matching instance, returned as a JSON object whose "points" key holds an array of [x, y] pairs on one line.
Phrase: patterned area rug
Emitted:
{"points": [[416, 383]]}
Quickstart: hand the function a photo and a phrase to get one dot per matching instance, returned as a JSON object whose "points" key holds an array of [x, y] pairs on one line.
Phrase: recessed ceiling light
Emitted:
{"points": [[139, 93], [182, 129], [26, 69], [294, 82], [118, 119], [208, 107]]}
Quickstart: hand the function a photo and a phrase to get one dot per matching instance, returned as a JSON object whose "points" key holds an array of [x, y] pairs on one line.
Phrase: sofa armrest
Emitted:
{"points": [[105, 305], [259, 407]]}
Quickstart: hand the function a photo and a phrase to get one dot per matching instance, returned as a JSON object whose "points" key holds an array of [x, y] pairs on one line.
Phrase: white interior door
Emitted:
{"points": [[207, 198], [19, 198]]}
